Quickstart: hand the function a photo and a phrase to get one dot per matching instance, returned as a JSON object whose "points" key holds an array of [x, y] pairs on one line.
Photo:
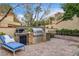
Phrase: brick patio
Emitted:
{"points": [[54, 47]]}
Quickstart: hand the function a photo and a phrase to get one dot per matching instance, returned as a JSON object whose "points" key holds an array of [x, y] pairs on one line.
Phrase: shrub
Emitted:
{"points": [[2, 33], [74, 32]]}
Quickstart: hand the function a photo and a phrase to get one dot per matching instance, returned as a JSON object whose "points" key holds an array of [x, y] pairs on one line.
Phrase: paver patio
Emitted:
{"points": [[54, 47]]}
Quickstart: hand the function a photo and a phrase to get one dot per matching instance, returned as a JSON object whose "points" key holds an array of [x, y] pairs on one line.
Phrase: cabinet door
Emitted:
{"points": [[23, 39]]}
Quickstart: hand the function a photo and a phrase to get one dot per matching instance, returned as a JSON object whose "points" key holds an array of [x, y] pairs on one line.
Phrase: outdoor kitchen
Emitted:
{"points": [[36, 36]]}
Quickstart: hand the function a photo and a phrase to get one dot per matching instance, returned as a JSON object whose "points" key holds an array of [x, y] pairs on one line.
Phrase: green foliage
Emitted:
{"points": [[28, 29], [2, 33], [69, 32], [32, 13], [70, 9], [35, 14], [40, 23]]}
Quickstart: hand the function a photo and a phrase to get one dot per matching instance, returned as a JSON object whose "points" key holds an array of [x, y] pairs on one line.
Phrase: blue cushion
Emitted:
{"points": [[8, 39], [14, 45], [2, 37]]}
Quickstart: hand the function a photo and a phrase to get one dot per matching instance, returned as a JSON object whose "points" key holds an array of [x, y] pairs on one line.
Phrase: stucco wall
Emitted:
{"points": [[9, 31], [6, 21], [69, 24]]}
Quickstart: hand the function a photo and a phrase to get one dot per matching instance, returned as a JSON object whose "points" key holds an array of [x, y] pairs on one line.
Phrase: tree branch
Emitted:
{"points": [[34, 16], [45, 11], [59, 21], [7, 13]]}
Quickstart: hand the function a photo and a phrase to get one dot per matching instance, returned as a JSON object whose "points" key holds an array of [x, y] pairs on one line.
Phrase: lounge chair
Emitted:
{"points": [[9, 43]]}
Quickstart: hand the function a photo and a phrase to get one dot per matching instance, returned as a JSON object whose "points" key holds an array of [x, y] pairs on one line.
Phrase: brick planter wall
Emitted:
{"points": [[32, 39]]}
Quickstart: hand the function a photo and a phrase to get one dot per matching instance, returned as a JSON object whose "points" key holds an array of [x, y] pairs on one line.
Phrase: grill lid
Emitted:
{"points": [[37, 31]]}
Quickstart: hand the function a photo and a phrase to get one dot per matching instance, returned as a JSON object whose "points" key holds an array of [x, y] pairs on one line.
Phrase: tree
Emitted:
{"points": [[5, 9], [70, 9], [34, 10], [51, 19], [38, 9], [58, 17]]}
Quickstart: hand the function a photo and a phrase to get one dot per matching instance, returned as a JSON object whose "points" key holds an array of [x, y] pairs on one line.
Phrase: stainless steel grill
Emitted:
{"points": [[38, 31], [38, 34]]}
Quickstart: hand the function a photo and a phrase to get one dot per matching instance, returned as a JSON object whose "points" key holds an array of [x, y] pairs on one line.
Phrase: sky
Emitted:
{"points": [[55, 7], [20, 11]]}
